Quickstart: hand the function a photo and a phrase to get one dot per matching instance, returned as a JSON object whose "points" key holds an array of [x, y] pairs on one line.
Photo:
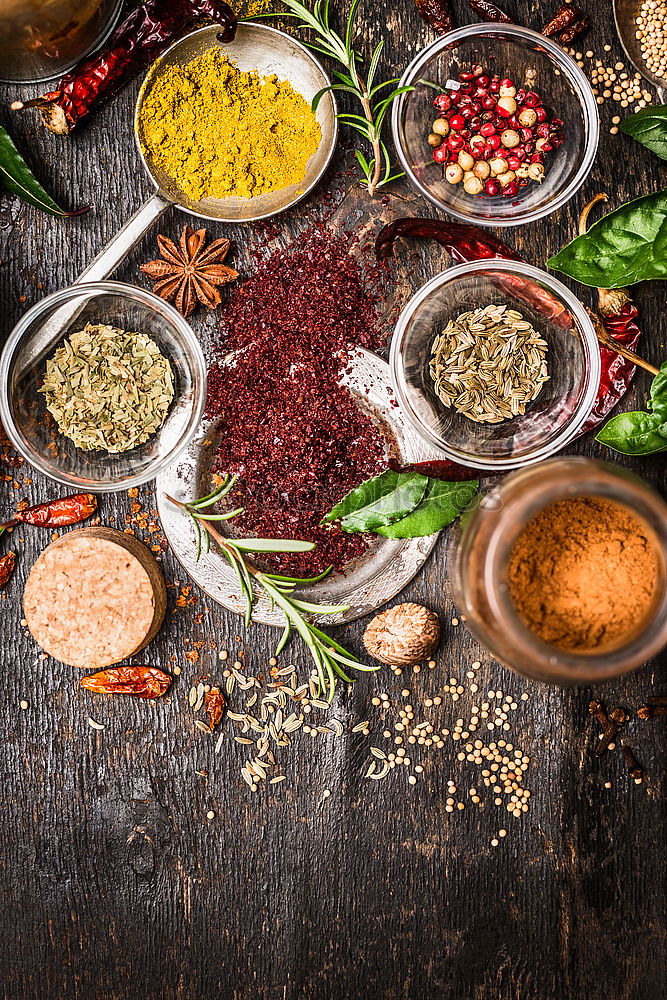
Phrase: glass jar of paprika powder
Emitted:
{"points": [[483, 546]]}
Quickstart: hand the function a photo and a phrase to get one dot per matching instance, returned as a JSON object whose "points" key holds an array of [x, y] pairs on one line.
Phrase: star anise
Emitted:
{"points": [[190, 271]]}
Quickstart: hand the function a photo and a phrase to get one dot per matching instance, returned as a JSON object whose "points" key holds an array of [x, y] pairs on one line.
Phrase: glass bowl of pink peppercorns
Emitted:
{"points": [[500, 127]]}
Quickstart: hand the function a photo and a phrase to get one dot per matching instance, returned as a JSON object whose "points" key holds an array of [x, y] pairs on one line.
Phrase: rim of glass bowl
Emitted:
{"points": [[568, 65], [195, 358], [589, 343]]}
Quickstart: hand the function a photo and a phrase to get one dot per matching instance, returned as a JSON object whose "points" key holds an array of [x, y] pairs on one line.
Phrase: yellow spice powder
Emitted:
{"points": [[219, 132], [251, 8]]}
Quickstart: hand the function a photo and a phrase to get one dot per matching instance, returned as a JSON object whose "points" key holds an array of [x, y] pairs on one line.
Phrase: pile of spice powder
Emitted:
{"points": [[583, 573], [218, 132], [295, 437]]}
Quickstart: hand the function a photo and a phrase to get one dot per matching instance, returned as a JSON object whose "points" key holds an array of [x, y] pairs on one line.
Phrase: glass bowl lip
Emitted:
{"points": [[566, 63], [195, 360], [589, 342]]}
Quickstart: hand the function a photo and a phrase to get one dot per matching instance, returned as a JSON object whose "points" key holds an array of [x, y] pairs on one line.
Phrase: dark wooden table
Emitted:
{"points": [[115, 885]]}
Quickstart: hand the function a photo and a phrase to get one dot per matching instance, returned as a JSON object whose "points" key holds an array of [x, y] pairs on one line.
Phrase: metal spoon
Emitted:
{"points": [[625, 14], [256, 47]]}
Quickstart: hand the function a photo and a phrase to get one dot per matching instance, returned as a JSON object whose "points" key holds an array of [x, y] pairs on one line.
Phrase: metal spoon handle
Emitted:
{"points": [[125, 240], [104, 264]]}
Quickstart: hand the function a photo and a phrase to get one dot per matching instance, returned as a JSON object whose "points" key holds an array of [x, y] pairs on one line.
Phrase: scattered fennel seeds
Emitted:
{"points": [[107, 389], [488, 364]]}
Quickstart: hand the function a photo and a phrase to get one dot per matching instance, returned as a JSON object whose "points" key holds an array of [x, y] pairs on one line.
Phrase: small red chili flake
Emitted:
{"points": [[295, 437], [215, 706]]}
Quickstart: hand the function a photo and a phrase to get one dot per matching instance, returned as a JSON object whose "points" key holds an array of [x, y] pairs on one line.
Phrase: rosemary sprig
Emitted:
{"points": [[329, 657], [340, 47]]}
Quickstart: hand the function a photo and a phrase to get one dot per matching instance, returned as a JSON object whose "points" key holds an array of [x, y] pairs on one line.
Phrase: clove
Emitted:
{"points": [[655, 705], [611, 724], [635, 770]]}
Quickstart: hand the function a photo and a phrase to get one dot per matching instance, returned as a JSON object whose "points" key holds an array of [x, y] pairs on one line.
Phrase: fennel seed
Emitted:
{"points": [[489, 364]]}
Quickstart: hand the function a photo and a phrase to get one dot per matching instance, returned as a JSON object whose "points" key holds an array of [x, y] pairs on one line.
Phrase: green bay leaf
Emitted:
{"points": [[441, 504], [17, 177], [635, 433], [624, 247], [379, 501], [649, 126]]}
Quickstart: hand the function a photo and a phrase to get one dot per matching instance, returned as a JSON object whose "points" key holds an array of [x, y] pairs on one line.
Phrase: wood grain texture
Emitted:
{"points": [[114, 885]]}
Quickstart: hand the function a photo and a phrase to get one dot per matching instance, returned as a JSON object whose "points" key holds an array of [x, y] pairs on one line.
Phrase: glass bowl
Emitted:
{"points": [[33, 431], [573, 359], [510, 51]]}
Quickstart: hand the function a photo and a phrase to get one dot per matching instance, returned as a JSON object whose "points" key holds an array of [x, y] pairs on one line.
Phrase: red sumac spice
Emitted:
{"points": [[296, 438]]}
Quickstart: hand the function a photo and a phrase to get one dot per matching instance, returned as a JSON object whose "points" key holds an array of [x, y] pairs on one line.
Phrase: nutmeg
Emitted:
{"points": [[403, 635]]}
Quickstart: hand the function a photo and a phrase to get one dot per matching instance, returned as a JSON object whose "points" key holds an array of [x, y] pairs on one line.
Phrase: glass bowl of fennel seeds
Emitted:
{"points": [[496, 364], [102, 386]]}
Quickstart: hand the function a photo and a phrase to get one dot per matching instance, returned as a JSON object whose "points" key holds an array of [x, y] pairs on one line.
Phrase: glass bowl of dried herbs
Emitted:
{"points": [[496, 364], [102, 386]]}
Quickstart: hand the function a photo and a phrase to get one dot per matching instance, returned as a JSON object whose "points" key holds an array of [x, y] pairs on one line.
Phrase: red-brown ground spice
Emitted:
{"points": [[297, 439]]}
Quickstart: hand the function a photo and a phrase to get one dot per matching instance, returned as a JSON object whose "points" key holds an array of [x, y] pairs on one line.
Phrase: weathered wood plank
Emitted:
{"points": [[113, 882]]}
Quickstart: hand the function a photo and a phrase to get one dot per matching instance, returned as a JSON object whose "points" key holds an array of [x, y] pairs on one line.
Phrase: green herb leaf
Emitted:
{"points": [[658, 401], [269, 544], [17, 177], [649, 127], [624, 247], [442, 503], [635, 433], [340, 47], [379, 501]]}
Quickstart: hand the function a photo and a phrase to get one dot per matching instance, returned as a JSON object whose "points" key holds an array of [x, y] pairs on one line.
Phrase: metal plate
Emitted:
{"points": [[267, 51], [377, 576]]}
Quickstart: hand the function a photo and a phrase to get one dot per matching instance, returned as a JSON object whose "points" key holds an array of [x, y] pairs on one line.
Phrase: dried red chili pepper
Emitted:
{"points": [[7, 564], [574, 31], [215, 706], [144, 34], [489, 12], [143, 682], [437, 14], [563, 18], [56, 513], [618, 314], [465, 244], [437, 469]]}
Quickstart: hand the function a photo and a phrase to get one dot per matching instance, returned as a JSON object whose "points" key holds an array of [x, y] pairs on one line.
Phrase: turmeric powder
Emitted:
{"points": [[219, 132]]}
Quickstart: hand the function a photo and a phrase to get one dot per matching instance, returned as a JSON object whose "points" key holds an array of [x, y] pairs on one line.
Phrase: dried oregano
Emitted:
{"points": [[107, 389]]}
